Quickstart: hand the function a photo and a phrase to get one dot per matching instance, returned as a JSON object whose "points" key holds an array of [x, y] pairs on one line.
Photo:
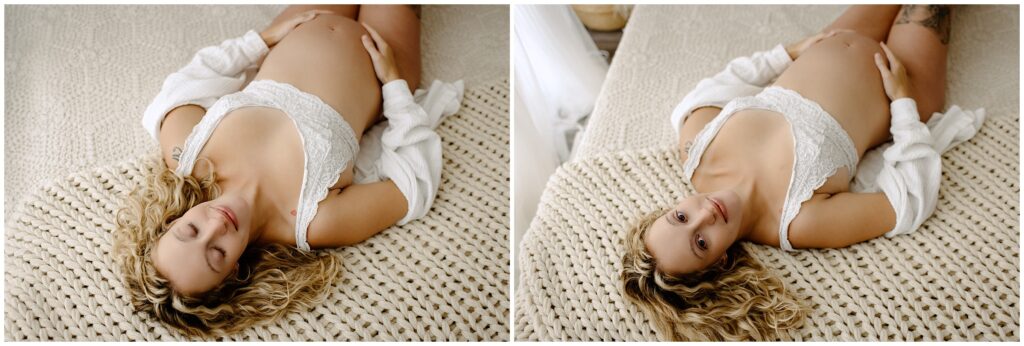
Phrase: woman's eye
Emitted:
{"points": [[680, 216], [193, 229], [701, 242]]}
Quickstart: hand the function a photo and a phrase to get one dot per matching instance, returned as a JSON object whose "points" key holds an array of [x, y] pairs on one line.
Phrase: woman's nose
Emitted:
{"points": [[707, 215], [215, 226]]}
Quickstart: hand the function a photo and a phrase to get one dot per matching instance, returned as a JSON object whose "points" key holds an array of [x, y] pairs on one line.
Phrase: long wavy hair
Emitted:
{"points": [[270, 280], [737, 300]]}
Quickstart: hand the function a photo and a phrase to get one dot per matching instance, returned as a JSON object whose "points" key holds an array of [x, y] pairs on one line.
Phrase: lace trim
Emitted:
{"points": [[820, 146], [710, 130], [329, 143], [196, 140]]}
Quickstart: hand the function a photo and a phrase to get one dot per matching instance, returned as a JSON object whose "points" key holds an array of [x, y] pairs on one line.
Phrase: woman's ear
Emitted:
{"points": [[725, 259]]}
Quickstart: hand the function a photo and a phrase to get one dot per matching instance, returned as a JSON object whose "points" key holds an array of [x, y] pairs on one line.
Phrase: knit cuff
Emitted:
{"points": [[778, 58], [904, 112], [253, 46], [396, 94]]}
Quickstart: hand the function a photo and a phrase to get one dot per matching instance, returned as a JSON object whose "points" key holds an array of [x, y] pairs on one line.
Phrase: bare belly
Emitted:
{"points": [[839, 74], [323, 57], [326, 58]]}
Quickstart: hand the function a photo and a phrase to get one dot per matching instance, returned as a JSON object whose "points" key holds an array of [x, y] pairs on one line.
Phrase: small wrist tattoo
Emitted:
{"points": [[176, 154]]}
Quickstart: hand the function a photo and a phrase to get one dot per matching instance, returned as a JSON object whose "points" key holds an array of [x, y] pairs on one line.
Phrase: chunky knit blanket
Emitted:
{"points": [[442, 277], [956, 278]]}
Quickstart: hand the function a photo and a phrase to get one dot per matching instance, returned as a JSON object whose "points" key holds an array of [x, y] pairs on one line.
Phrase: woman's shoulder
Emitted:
{"points": [[175, 128], [692, 125]]}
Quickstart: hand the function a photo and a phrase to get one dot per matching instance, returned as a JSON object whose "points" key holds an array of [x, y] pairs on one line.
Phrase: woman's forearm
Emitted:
{"points": [[213, 72], [410, 149], [912, 170], [743, 76]]}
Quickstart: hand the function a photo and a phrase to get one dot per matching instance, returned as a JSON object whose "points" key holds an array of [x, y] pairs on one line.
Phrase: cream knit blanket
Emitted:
{"points": [[956, 278], [442, 277], [78, 79]]}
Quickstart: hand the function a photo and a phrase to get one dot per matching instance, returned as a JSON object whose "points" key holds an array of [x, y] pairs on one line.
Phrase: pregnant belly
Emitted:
{"points": [[839, 73], [326, 58]]}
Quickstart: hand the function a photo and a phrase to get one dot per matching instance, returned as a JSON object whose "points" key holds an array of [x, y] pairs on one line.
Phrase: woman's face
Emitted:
{"points": [[202, 247], [695, 233]]}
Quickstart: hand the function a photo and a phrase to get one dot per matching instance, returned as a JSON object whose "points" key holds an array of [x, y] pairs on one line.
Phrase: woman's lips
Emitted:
{"points": [[721, 208], [230, 214]]}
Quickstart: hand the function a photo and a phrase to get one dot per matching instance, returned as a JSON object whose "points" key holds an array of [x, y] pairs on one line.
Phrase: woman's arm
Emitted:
{"points": [[410, 149], [912, 168], [841, 220], [216, 71], [909, 179], [213, 72], [356, 214], [743, 76]]}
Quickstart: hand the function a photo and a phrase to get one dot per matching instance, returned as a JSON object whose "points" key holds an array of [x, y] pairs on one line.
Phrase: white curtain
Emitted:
{"points": [[558, 69], [558, 72]]}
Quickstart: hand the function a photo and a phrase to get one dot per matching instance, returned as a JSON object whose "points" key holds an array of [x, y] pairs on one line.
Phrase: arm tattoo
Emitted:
{"points": [[176, 153], [934, 17]]}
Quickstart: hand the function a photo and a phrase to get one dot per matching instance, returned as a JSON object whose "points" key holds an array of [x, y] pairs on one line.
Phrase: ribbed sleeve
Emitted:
{"points": [[214, 71], [743, 76]]}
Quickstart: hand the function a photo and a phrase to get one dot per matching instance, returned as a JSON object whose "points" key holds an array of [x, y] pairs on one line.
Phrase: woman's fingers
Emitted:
{"points": [[892, 57], [881, 65], [380, 53], [381, 44], [888, 80], [373, 33], [319, 12], [368, 44], [313, 13], [309, 15], [834, 32]]}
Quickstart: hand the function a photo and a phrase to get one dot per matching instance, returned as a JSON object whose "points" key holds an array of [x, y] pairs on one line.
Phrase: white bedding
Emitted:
{"points": [[956, 278]]}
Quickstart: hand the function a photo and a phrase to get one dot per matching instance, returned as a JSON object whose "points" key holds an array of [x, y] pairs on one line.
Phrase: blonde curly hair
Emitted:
{"points": [[269, 281], [737, 300]]}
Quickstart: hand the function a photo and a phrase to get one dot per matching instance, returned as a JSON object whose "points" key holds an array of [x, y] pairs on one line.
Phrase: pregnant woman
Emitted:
{"points": [[773, 164], [220, 236]]}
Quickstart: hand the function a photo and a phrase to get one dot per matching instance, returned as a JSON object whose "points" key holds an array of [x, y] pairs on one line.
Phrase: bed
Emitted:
{"points": [[956, 278], [78, 79]]}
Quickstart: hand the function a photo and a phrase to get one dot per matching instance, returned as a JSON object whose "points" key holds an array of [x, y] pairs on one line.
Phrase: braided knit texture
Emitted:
{"points": [[76, 89], [956, 278], [442, 277]]}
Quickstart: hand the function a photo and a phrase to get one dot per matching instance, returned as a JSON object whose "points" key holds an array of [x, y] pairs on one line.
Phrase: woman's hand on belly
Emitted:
{"points": [[797, 48], [894, 77], [274, 34], [381, 55]]}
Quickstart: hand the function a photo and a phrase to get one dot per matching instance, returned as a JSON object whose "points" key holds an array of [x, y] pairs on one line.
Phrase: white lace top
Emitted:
{"points": [[908, 169], [404, 149], [328, 141], [820, 146]]}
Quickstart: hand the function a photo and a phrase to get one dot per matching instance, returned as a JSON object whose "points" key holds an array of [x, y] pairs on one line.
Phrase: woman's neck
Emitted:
{"points": [[746, 188], [251, 191]]}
